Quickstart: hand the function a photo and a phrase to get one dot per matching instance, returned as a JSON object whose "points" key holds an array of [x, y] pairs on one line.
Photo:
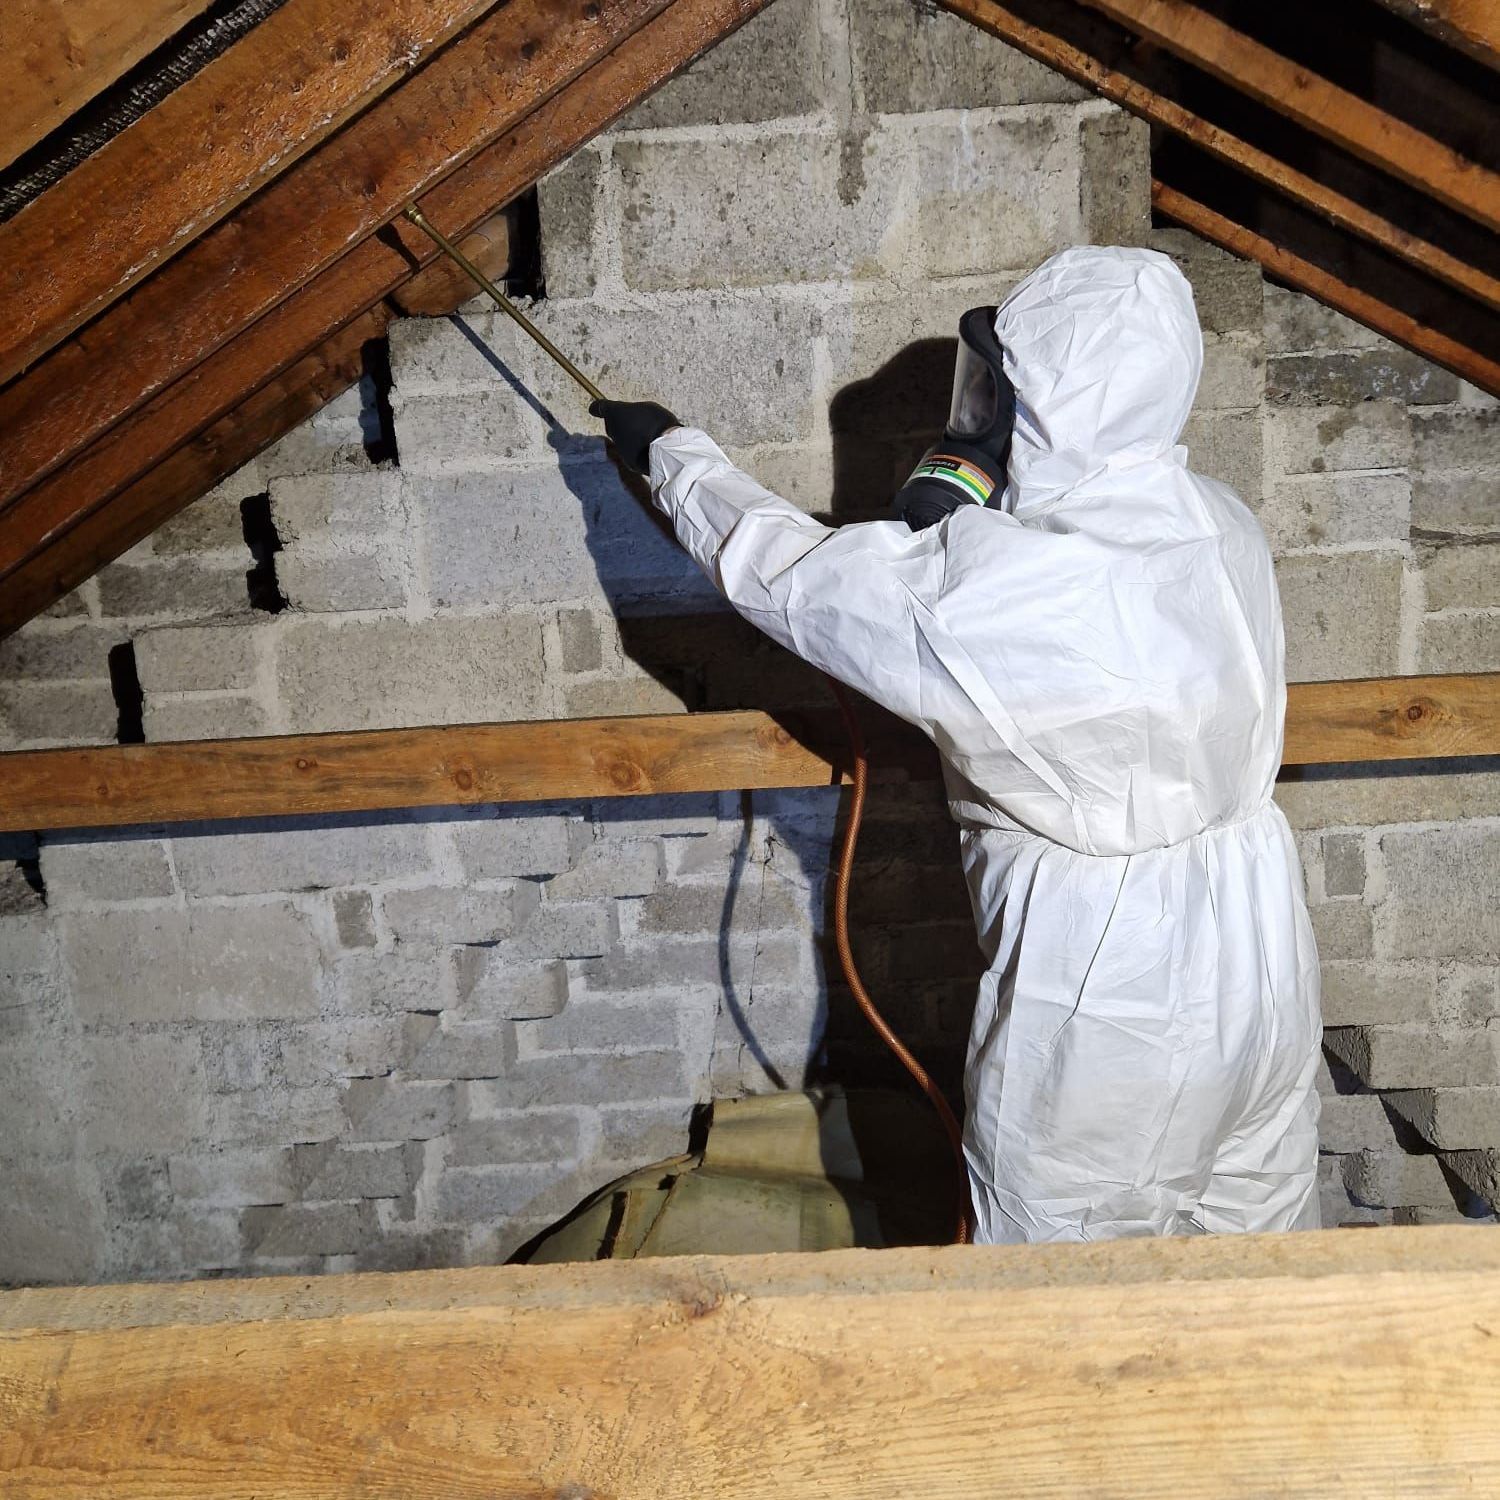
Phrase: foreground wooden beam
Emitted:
{"points": [[1391, 718], [1295, 1365]]}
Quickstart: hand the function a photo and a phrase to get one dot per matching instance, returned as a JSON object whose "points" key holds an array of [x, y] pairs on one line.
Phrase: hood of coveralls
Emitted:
{"points": [[1103, 347]]}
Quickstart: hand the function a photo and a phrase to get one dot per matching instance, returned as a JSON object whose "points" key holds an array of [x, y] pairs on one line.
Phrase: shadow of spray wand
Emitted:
{"points": [[859, 762]]}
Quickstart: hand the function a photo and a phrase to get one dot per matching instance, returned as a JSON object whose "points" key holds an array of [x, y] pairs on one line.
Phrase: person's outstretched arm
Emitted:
{"points": [[841, 598]]}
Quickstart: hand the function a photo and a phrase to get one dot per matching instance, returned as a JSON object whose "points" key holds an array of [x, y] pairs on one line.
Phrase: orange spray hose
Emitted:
{"points": [[862, 998]]}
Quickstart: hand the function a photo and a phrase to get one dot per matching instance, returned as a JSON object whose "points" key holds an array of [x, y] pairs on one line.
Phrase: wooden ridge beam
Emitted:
{"points": [[1303, 275], [1130, 93], [302, 223], [1215, 1368], [155, 188], [55, 55], [1383, 140], [1390, 718], [71, 500]]}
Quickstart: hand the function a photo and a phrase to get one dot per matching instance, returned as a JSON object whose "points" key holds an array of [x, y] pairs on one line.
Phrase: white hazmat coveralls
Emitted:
{"points": [[1100, 664]]}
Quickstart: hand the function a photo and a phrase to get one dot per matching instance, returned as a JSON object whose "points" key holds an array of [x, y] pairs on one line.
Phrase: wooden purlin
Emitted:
{"points": [[1198, 37], [1304, 276], [1394, 718], [1212, 1368], [153, 189], [1151, 105], [71, 501], [55, 55]]}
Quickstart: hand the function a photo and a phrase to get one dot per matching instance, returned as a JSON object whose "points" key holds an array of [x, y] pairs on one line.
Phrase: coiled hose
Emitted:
{"points": [[843, 875]]}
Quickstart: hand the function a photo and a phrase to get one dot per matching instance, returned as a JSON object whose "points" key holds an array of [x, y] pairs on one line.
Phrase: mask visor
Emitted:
{"points": [[975, 411]]}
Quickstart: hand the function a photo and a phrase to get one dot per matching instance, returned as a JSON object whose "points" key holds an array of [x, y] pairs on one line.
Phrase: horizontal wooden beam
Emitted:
{"points": [[206, 147], [1302, 274], [55, 55], [1390, 718], [1199, 37], [1157, 107], [1213, 1369]]}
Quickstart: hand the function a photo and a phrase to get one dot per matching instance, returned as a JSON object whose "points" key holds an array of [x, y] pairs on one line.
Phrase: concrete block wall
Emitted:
{"points": [[416, 1039]]}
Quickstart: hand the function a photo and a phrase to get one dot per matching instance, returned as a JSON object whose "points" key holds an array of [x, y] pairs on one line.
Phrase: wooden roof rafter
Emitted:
{"points": [[187, 370]]}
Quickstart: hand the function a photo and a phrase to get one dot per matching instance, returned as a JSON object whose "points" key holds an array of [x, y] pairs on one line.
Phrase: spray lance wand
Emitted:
{"points": [[860, 761]]}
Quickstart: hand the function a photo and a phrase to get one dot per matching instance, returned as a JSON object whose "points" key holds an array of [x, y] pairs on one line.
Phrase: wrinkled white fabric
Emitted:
{"points": [[1100, 664]]}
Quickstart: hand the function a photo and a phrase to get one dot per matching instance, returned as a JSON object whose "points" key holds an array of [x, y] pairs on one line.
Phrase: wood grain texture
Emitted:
{"points": [[1150, 104], [442, 286], [1298, 1366], [191, 471], [55, 55], [1327, 288], [45, 518], [369, 770], [1370, 133], [244, 118], [1471, 25], [300, 224]]}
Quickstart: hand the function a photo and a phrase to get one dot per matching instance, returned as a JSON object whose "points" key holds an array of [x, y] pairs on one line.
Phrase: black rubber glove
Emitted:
{"points": [[632, 426]]}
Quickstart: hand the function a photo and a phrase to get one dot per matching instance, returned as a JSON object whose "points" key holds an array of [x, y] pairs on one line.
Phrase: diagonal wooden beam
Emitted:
{"points": [[1160, 108], [75, 499], [154, 188], [298, 226], [55, 55], [1390, 718], [192, 470], [1302, 274], [1383, 140]]}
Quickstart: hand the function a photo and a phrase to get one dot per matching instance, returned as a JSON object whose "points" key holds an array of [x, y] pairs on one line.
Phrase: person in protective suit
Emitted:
{"points": [[1092, 637]]}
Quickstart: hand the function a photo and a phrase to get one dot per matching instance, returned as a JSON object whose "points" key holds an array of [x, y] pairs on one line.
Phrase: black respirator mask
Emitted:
{"points": [[968, 466]]}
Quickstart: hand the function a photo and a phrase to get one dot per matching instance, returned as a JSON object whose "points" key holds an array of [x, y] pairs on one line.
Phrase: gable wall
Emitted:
{"points": [[417, 1039]]}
